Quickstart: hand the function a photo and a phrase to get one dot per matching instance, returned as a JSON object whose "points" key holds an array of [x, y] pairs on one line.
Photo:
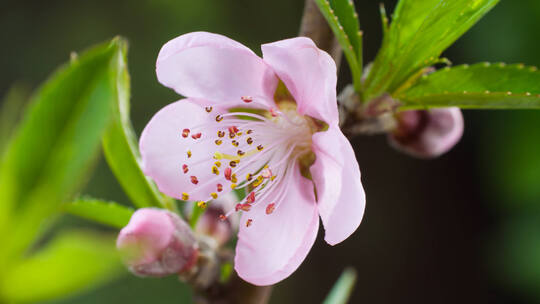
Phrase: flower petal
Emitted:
{"points": [[275, 244], [341, 197], [215, 68], [164, 152], [309, 73]]}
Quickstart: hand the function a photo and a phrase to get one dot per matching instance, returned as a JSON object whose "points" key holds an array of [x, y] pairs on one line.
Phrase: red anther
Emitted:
{"points": [[237, 207], [247, 99], [185, 168], [250, 198], [185, 133], [228, 173], [270, 208], [222, 217], [245, 207], [249, 222], [219, 187], [233, 129], [196, 135], [194, 180], [208, 109], [273, 112]]}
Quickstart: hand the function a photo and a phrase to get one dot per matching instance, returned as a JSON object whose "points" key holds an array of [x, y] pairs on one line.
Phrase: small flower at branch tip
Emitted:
{"points": [[266, 125], [157, 243], [427, 133]]}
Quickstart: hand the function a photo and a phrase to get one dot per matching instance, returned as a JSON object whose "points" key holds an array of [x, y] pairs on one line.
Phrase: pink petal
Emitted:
{"points": [[275, 244], [164, 152], [215, 68], [341, 197], [309, 73]]}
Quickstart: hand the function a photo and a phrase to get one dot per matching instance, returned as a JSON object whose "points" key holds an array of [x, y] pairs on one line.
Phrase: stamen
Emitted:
{"points": [[250, 198], [218, 164], [218, 141], [196, 136], [220, 134], [222, 217], [260, 147], [228, 172], [185, 168], [270, 208], [185, 133], [188, 153], [233, 186], [233, 163], [219, 118], [219, 187], [249, 131], [214, 195], [185, 196], [215, 170], [201, 204], [249, 222], [233, 129], [240, 153], [194, 180], [234, 143], [249, 140], [247, 99], [208, 109]]}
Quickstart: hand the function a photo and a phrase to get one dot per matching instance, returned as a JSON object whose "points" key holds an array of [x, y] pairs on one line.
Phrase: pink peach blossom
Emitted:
{"points": [[236, 129]]}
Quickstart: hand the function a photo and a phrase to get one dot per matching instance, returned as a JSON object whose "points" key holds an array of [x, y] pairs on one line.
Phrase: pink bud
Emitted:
{"points": [[157, 243], [427, 133]]}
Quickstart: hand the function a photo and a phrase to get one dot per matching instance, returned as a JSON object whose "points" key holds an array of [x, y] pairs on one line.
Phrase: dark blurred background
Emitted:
{"points": [[464, 228]]}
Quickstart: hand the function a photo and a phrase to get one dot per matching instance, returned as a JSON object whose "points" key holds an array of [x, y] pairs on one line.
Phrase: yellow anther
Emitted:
{"points": [[185, 196], [233, 178], [201, 204], [218, 164], [214, 195], [218, 141], [215, 170], [273, 177], [233, 186], [188, 153], [249, 176]]}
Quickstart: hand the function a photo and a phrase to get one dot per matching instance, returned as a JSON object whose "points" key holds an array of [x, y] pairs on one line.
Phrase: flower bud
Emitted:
{"points": [[210, 224], [427, 133], [157, 243]]}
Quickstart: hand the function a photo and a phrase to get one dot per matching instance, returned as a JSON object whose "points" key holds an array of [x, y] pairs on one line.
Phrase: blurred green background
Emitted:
{"points": [[464, 228]]}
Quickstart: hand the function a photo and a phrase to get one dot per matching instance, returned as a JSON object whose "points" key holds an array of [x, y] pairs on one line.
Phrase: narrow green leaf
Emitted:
{"points": [[344, 41], [108, 213], [480, 86], [341, 291], [10, 112], [73, 262], [55, 144], [121, 151], [348, 18], [420, 32]]}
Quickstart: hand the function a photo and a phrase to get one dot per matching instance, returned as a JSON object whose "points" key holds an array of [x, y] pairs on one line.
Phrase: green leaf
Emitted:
{"points": [[480, 86], [341, 291], [10, 112], [343, 39], [108, 213], [74, 261], [121, 151], [348, 18], [56, 144], [420, 32]]}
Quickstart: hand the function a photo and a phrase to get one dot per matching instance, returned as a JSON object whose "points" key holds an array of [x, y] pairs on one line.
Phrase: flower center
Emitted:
{"points": [[253, 150]]}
